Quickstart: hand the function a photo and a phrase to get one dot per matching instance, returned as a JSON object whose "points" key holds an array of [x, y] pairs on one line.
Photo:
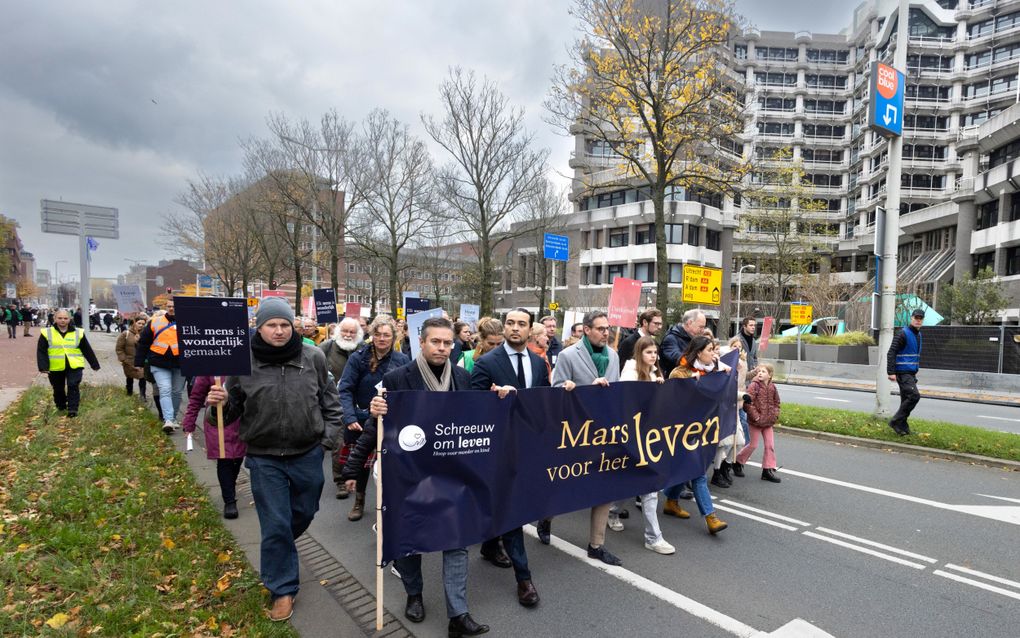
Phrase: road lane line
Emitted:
{"points": [[760, 519], [765, 512], [974, 572], [832, 399], [997, 418], [888, 548], [689, 605], [975, 583], [865, 550]]}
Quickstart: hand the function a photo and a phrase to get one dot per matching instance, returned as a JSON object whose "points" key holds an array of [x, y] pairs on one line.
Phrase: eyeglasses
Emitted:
{"points": [[601, 328]]}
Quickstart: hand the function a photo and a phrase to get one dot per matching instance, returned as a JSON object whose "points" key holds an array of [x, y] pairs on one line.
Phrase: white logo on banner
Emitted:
{"points": [[411, 438]]}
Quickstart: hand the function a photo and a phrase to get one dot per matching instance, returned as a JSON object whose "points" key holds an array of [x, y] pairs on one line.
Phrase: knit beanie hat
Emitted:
{"points": [[273, 308]]}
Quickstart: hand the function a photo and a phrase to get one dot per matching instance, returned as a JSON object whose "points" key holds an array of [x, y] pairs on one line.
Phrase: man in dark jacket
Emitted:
{"points": [[61, 353], [675, 343], [509, 368], [289, 412], [902, 363], [649, 325], [431, 371], [553, 349]]}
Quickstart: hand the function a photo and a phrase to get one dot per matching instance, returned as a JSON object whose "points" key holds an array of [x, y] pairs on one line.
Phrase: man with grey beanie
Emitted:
{"points": [[289, 412]]}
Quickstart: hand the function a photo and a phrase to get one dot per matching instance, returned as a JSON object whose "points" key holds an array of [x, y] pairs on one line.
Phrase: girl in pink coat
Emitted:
{"points": [[228, 467]]}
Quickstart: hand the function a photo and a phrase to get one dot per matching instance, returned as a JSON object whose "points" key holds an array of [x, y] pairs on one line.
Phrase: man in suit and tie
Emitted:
{"points": [[507, 369]]}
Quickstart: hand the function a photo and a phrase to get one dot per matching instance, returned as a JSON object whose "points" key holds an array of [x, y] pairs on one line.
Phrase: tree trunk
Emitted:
{"points": [[394, 291], [661, 264], [486, 301], [297, 282]]}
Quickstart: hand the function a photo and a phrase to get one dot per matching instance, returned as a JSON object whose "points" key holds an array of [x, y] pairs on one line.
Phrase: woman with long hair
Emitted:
{"points": [[125, 349], [644, 367], [365, 369], [538, 342], [699, 359], [490, 337]]}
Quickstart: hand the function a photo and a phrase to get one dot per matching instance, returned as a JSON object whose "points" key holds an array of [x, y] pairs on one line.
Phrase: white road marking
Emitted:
{"points": [[760, 519], [997, 418], [975, 583], [1003, 513], [865, 550], [765, 512], [888, 548], [974, 572], [689, 605], [832, 399]]}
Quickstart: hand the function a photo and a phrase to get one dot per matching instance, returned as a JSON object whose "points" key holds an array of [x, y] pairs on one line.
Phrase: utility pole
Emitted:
{"points": [[890, 247]]}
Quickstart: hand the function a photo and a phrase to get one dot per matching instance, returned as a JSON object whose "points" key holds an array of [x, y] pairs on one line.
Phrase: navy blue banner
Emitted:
{"points": [[213, 336], [325, 306], [462, 467]]}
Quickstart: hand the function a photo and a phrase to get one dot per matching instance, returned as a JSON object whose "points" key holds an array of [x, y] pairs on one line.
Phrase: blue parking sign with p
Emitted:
{"points": [[556, 247]]}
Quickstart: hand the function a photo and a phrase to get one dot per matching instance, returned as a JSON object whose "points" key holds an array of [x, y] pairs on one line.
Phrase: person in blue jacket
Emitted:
{"points": [[902, 363]]}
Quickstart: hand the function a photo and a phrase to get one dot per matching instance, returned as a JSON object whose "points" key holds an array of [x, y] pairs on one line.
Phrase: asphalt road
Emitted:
{"points": [[983, 415], [857, 542]]}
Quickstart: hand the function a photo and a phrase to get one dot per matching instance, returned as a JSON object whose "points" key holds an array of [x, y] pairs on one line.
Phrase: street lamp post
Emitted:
{"points": [[740, 274]]}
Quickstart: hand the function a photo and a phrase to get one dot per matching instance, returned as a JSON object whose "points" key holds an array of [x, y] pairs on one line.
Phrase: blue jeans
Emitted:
{"points": [[170, 382], [701, 495], [743, 423], [673, 491], [455, 570], [286, 491], [513, 545]]}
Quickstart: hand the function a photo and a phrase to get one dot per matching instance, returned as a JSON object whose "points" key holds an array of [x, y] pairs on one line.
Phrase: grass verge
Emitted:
{"points": [[104, 530], [938, 435]]}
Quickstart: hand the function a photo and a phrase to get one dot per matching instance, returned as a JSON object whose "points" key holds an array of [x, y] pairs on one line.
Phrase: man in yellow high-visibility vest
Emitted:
{"points": [[61, 354]]}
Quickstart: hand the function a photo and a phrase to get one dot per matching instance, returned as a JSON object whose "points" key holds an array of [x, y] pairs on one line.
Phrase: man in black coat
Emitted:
{"points": [[507, 369], [554, 347], [431, 371]]}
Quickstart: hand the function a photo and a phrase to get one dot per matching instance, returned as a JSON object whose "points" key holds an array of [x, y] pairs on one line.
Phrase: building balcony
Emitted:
{"points": [[995, 236]]}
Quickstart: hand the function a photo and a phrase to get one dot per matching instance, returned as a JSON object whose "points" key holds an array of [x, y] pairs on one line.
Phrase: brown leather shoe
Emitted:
{"points": [[283, 609], [527, 595], [672, 508]]}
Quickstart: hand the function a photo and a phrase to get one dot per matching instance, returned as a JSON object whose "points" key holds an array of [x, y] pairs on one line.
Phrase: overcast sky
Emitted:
{"points": [[119, 105]]}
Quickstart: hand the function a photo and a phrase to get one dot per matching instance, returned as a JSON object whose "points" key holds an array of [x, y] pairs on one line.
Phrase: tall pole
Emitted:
{"points": [[890, 247], [84, 287], [553, 284]]}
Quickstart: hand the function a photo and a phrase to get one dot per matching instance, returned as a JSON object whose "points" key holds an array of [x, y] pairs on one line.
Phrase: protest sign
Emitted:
{"points": [[273, 293], [213, 336], [570, 317], [410, 294], [462, 467], [469, 314], [623, 302], [414, 323], [130, 299], [766, 332], [415, 305], [325, 305], [352, 309]]}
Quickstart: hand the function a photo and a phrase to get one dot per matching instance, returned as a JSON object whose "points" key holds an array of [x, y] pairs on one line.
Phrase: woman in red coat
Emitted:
{"points": [[229, 467]]}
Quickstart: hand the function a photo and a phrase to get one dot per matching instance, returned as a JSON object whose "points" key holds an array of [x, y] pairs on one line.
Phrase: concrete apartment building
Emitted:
{"points": [[808, 93]]}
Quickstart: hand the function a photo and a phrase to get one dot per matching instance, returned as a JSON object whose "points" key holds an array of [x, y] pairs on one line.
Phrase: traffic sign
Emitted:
{"points": [[801, 314], [66, 218], [702, 284], [556, 247], [554, 306], [886, 102]]}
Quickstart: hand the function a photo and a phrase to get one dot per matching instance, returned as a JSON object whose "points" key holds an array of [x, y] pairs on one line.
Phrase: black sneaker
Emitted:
{"points": [[623, 513], [738, 469], [230, 510], [72, 414], [603, 555], [415, 609], [465, 625], [544, 528]]}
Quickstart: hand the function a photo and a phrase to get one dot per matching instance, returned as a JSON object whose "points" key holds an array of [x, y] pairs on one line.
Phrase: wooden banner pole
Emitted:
{"points": [[378, 522], [219, 423]]}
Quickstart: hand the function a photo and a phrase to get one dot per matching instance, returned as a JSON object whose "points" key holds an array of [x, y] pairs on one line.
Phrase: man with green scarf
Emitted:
{"points": [[590, 361]]}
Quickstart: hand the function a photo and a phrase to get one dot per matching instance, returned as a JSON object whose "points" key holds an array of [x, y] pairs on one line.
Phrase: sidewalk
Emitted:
{"points": [[19, 370], [331, 601]]}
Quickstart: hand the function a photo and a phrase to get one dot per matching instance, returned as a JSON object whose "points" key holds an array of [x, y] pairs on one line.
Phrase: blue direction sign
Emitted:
{"points": [[557, 247], [886, 103]]}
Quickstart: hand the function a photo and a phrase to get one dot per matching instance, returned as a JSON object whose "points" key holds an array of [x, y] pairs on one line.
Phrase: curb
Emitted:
{"points": [[904, 448], [993, 399]]}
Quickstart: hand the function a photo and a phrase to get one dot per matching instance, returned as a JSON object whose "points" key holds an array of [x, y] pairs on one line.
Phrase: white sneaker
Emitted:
{"points": [[615, 524], [660, 547], [169, 427]]}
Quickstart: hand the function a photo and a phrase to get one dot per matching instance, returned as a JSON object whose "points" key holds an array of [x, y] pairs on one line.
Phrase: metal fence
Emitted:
{"points": [[972, 348]]}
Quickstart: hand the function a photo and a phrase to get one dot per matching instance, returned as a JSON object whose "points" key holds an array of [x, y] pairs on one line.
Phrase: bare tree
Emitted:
{"points": [[186, 228], [645, 84], [232, 240], [395, 189], [494, 168]]}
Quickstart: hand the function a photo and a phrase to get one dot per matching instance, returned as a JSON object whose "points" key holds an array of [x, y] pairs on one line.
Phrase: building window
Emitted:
{"points": [[598, 239], [676, 273], [982, 261], [1014, 207], [644, 235], [1013, 260], [619, 238], [713, 239], [740, 51], [674, 233], [1003, 154], [693, 235], [591, 275], [585, 239], [645, 272], [616, 198], [987, 215], [614, 271]]}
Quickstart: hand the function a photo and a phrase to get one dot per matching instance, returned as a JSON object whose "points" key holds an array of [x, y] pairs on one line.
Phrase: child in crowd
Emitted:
{"points": [[762, 415]]}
